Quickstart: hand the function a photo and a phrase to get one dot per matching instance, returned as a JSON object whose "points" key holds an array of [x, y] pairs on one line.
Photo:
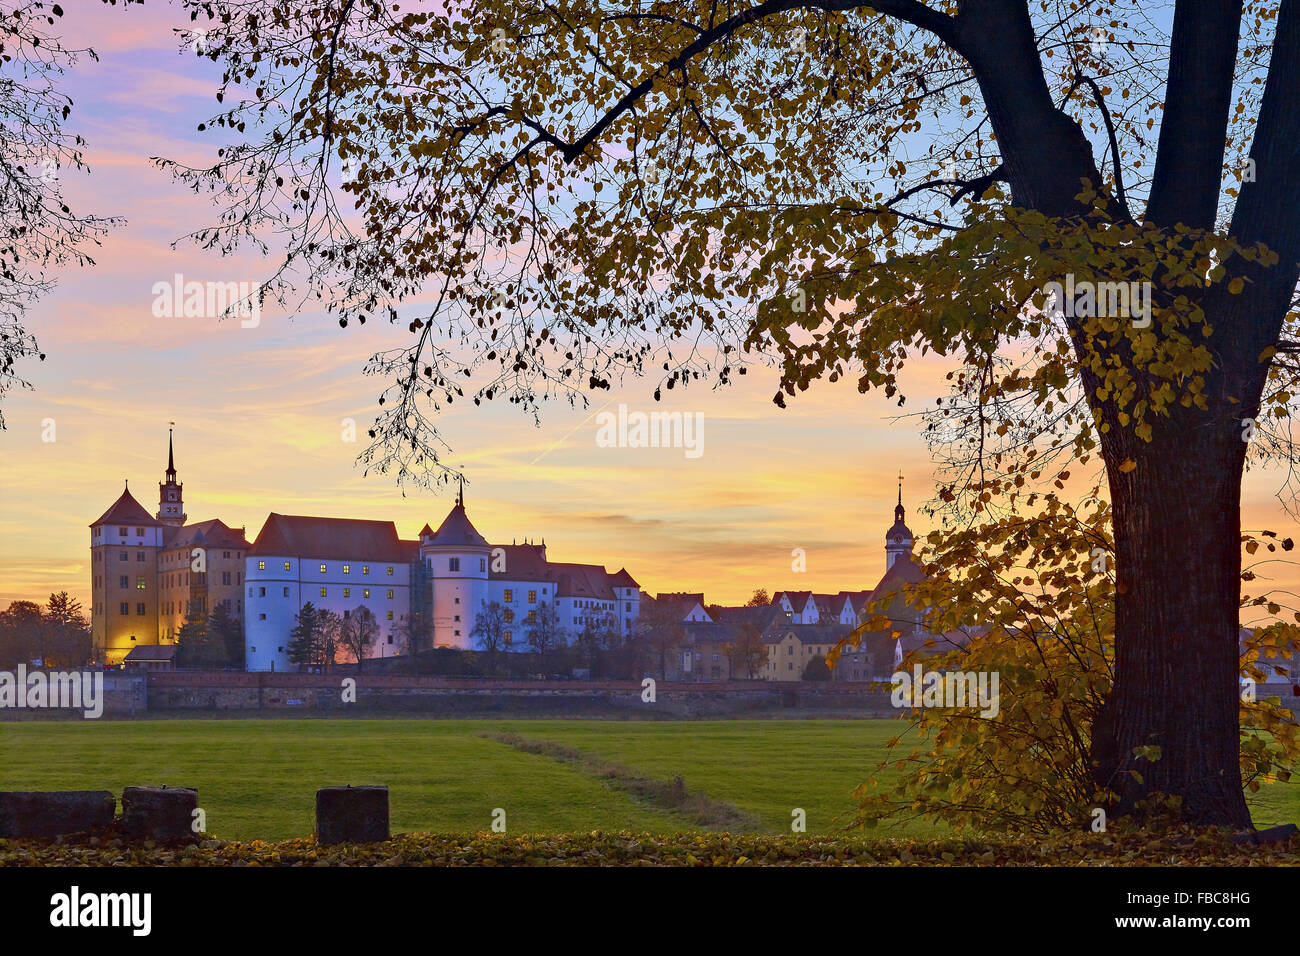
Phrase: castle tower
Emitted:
{"points": [[457, 556], [124, 547], [171, 504], [898, 539]]}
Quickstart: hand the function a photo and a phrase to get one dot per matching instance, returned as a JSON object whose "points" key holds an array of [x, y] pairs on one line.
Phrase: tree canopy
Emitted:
{"points": [[1092, 210]]}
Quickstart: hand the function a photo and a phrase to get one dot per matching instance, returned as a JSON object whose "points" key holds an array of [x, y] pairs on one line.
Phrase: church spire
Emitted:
{"points": [[898, 539], [171, 506]]}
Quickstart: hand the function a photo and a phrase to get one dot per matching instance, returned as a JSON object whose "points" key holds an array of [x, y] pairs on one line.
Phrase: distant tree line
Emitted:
{"points": [[56, 635]]}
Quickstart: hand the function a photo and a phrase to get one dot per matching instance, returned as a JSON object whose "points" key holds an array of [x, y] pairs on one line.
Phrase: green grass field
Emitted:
{"points": [[257, 778]]}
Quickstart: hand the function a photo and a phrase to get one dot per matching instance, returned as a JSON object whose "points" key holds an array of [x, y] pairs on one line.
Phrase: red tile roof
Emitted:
{"points": [[523, 562], [858, 598], [622, 580], [681, 597], [151, 652], [679, 604], [761, 616], [457, 530], [903, 571], [126, 510], [798, 599], [582, 581], [214, 533], [332, 538]]}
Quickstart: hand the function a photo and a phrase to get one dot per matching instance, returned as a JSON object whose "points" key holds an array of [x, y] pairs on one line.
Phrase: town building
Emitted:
{"points": [[146, 570], [150, 571], [798, 627]]}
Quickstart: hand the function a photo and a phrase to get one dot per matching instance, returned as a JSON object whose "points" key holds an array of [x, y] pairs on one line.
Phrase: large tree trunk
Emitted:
{"points": [[1178, 560]]}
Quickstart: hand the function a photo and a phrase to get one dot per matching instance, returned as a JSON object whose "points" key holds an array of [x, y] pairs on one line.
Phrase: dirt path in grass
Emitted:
{"points": [[671, 795]]}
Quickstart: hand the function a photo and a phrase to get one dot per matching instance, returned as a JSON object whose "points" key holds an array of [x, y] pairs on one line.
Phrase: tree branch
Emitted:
{"points": [[1189, 158], [910, 11]]}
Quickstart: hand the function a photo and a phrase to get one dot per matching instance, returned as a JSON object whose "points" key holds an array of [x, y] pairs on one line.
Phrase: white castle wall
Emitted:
{"points": [[274, 596]]}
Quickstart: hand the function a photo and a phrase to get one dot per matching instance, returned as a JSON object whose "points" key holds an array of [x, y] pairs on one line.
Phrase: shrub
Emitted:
{"points": [[1031, 599]]}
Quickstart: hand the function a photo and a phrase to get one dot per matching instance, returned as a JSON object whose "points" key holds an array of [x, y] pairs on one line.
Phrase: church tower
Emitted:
{"points": [[171, 506], [898, 539]]}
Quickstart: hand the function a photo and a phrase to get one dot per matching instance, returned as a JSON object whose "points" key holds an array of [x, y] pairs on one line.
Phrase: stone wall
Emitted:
{"points": [[126, 694], [266, 694]]}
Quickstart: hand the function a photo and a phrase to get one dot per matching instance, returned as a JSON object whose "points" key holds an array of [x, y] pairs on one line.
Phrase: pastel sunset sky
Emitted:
{"points": [[258, 411]]}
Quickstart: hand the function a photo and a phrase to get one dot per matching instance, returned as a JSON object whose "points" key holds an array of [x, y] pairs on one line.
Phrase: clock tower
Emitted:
{"points": [[171, 506], [898, 539]]}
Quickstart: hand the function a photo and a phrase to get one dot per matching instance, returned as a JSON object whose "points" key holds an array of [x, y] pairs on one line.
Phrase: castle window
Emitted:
{"points": [[123, 581], [347, 569], [365, 569], [322, 592], [509, 616], [286, 592], [390, 617], [322, 569], [261, 565], [366, 593], [482, 564], [509, 595], [139, 556], [139, 608], [347, 592], [456, 618], [261, 617], [453, 564], [121, 556], [139, 583], [390, 572], [225, 554], [122, 531], [510, 638], [139, 532], [124, 608], [286, 565], [390, 594], [532, 616], [532, 597], [225, 577], [261, 592]]}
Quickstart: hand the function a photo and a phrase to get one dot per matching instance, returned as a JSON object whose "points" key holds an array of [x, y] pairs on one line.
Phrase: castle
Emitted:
{"points": [[147, 570]]}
